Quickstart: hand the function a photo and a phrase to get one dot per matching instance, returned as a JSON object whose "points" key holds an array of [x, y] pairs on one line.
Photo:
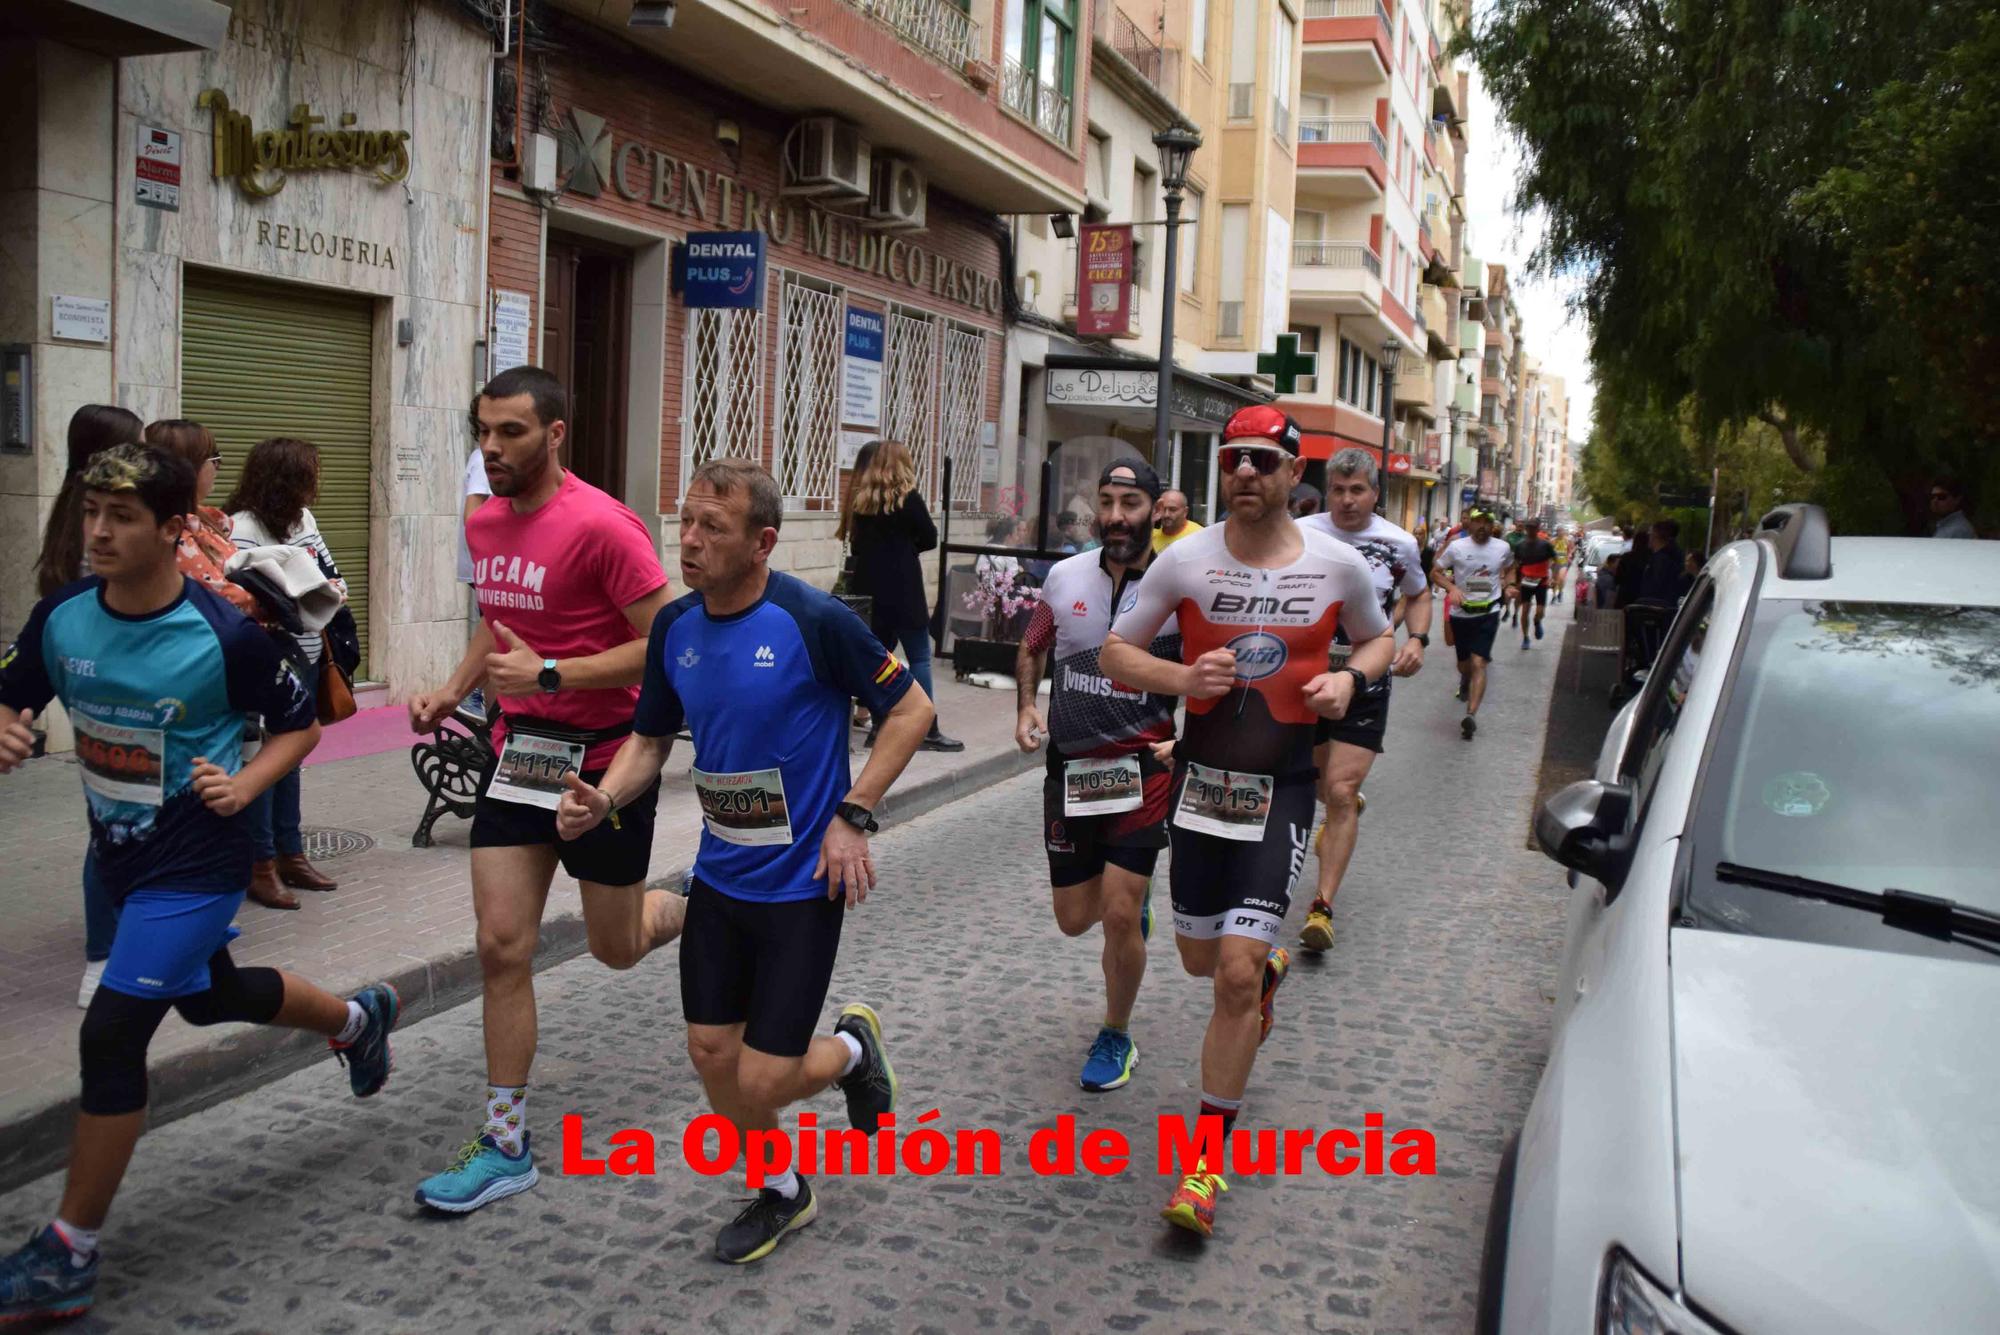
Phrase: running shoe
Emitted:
{"points": [[472, 709], [1192, 1206], [1318, 933], [367, 1058], [1524, 638], [753, 1235], [1538, 630], [1460, 693], [1276, 965], [481, 1174], [1146, 913], [1319, 840], [1112, 1059], [871, 1086], [43, 1280], [93, 974], [1467, 726], [1360, 801]]}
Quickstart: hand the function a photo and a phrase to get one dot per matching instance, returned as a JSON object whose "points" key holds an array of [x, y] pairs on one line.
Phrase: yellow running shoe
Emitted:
{"points": [[1192, 1206], [1319, 840], [1318, 933], [1276, 965]]}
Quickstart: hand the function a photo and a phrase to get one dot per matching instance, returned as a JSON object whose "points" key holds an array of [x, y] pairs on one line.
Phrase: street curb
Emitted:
{"points": [[186, 1083]]}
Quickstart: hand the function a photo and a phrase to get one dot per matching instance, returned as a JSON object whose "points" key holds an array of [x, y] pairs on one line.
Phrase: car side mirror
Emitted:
{"points": [[1583, 828]]}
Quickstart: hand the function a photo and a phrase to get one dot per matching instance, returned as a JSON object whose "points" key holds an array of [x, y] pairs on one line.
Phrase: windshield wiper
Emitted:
{"points": [[1899, 908]]}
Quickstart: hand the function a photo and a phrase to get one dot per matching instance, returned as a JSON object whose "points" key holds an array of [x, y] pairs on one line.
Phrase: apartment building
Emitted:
{"points": [[1546, 420]]}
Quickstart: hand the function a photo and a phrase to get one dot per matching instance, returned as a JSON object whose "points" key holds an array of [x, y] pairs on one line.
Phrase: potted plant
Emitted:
{"points": [[1001, 599]]}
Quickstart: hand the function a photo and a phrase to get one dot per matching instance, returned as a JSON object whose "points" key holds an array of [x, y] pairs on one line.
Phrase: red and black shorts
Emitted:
{"points": [[1080, 846]]}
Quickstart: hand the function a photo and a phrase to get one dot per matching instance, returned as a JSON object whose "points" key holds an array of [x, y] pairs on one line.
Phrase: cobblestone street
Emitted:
{"points": [[289, 1208]]}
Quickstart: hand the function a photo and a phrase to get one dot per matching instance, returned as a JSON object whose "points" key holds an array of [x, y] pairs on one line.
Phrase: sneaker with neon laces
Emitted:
{"points": [[368, 1059], [754, 1234], [1276, 965], [481, 1174], [1192, 1206], [42, 1280], [1317, 935], [1112, 1059], [871, 1086]]}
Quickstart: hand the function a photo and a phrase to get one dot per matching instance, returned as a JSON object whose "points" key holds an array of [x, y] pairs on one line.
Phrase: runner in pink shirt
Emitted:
{"points": [[569, 583]]}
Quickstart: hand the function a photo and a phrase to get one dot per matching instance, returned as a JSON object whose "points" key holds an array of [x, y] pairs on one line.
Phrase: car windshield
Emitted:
{"points": [[1600, 547], [1860, 748]]}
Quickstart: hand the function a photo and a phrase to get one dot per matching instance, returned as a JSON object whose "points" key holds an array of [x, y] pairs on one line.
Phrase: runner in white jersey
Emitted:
{"points": [[1257, 599], [1104, 804], [1472, 571], [1348, 746]]}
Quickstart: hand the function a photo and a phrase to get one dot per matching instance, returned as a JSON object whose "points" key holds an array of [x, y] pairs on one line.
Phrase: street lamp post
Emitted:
{"points": [[1176, 144], [1391, 349]]}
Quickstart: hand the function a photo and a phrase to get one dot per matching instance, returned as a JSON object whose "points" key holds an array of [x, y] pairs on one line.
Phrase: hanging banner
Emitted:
{"points": [[1104, 281], [861, 368]]}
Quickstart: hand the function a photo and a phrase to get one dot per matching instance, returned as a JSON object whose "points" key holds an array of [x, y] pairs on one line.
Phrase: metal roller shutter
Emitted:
{"points": [[265, 359]]}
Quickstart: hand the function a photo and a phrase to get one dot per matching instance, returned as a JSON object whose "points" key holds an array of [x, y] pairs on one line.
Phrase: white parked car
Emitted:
{"points": [[1772, 1100]]}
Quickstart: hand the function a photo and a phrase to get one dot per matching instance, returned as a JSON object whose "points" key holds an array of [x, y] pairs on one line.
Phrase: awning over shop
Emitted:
{"points": [[121, 27]]}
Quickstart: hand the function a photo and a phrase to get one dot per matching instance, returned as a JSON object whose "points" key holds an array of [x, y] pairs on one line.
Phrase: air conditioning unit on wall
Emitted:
{"points": [[896, 203], [826, 159]]}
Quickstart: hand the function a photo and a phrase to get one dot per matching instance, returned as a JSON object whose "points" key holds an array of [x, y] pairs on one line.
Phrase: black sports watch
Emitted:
{"points": [[1424, 640], [548, 678], [860, 817], [1360, 678]]}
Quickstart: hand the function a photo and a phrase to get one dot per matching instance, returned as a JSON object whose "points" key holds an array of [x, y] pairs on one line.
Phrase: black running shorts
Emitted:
{"points": [[1473, 636], [604, 856], [763, 966], [1232, 887], [1365, 724], [1538, 595], [1079, 847]]}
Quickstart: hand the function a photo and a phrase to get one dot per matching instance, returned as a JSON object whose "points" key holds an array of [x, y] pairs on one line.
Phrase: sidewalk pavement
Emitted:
{"points": [[402, 914]]}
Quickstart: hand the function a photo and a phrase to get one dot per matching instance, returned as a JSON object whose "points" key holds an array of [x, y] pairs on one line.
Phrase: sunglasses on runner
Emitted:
{"points": [[1264, 458]]}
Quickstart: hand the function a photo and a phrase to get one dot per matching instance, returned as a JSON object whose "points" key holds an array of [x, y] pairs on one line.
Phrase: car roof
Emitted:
{"points": [[1900, 570]]}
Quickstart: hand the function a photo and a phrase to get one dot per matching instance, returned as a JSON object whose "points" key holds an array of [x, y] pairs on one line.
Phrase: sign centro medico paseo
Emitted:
{"points": [[260, 160]]}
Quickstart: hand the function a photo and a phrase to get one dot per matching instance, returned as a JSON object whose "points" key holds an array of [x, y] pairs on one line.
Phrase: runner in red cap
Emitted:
{"points": [[1257, 599]]}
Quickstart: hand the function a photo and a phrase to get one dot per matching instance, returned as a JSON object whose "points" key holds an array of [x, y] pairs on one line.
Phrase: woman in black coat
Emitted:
{"points": [[889, 528]]}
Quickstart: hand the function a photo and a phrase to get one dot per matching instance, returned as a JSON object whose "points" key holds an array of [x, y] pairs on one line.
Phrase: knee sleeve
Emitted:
{"points": [[117, 1030], [234, 996]]}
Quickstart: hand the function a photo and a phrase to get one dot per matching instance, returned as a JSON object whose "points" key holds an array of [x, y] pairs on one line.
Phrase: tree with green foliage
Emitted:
{"points": [[1718, 174]]}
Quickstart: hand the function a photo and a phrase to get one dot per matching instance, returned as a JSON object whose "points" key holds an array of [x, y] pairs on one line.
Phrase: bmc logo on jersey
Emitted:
{"points": [[1251, 605], [1258, 655]]}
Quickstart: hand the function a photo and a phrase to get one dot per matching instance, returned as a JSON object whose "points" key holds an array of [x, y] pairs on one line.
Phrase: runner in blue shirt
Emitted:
{"points": [[157, 673], [761, 667]]}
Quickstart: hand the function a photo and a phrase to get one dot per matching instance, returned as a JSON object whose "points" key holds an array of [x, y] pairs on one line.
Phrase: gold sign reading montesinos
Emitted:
{"points": [[260, 159]]}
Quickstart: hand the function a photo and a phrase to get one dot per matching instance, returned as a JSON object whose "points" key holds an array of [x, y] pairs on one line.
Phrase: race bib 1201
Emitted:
{"points": [[1225, 803], [746, 808], [1102, 787], [531, 770], [119, 763]]}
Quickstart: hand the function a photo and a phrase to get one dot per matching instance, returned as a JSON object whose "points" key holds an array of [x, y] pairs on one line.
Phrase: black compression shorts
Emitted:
{"points": [[1366, 723], [763, 966], [604, 856], [1080, 846], [1233, 887]]}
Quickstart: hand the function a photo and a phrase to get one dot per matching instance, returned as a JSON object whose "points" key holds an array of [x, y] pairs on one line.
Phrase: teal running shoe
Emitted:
{"points": [[482, 1173], [1146, 914], [367, 1058], [1110, 1064], [43, 1280]]}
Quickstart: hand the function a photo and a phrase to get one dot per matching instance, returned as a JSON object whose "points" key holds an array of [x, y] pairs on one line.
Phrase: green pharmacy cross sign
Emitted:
{"points": [[1287, 364]]}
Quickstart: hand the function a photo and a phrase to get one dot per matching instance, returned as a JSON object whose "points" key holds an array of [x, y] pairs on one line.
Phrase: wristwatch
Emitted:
{"points": [[1424, 640], [860, 817], [548, 678], [1360, 678]]}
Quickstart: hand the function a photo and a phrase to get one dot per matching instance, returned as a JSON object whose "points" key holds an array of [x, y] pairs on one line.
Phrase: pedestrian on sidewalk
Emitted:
{"points": [[93, 428], [477, 489], [569, 583], [892, 528], [157, 673], [759, 667], [271, 506]]}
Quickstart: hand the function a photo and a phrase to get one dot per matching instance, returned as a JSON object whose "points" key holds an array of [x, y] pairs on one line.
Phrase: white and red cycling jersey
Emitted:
{"points": [[1278, 622]]}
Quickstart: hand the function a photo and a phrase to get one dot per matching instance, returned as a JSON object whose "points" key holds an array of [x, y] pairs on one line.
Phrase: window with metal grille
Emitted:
{"points": [[810, 325], [909, 391], [724, 393], [962, 409]]}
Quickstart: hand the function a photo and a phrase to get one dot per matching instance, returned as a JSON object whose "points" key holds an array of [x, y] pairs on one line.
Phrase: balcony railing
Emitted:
{"points": [[1135, 46], [1281, 117], [1336, 255], [1025, 95], [1352, 9], [938, 26], [1424, 228], [1342, 130]]}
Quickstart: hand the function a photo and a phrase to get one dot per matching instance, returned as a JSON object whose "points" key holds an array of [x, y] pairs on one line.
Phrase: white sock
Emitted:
{"points": [[853, 1054], [506, 1116], [786, 1184], [357, 1020], [82, 1242]]}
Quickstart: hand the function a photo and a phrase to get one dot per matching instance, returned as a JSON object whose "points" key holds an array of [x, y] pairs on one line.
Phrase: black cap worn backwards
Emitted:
{"points": [[1131, 473]]}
